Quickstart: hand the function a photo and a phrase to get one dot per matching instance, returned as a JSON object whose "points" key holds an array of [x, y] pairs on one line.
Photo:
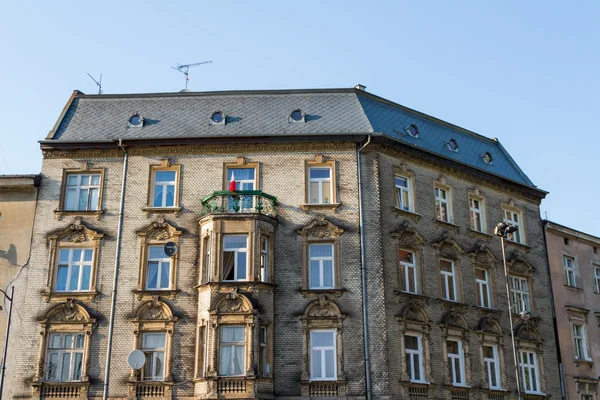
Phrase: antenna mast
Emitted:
{"points": [[97, 83], [185, 69]]}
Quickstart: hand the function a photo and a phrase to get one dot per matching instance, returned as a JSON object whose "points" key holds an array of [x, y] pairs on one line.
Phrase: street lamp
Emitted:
{"points": [[502, 230], [10, 298]]}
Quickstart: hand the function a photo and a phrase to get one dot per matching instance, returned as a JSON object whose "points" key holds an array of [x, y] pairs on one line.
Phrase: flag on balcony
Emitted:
{"points": [[232, 184]]}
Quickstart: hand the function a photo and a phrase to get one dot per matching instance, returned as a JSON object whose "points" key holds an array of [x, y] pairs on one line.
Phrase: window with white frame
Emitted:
{"points": [[492, 366], [74, 272], [323, 355], [263, 352], [82, 192], [597, 278], [587, 397], [529, 371], [570, 273], [164, 188], [264, 259], [519, 288], [448, 280], [319, 185], [235, 257], [154, 347], [158, 272], [408, 271], [206, 267], [580, 342], [320, 272], [476, 214], [403, 193], [514, 219], [64, 358], [245, 179], [442, 204], [456, 362], [413, 349], [482, 279], [233, 351]]}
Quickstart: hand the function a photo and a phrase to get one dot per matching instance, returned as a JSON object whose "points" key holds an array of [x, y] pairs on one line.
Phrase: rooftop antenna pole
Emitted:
{"points": [[185, 69], [97, 83]]}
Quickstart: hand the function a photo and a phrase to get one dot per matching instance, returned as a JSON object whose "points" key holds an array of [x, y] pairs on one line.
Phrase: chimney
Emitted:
{"points": [[360, 87]]}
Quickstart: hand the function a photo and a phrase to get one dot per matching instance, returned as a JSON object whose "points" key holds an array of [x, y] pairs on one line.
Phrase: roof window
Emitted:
{"points": [[135, 121], [487, 158], [218, 118], [412, 130], [297, 116], [452, 145]]}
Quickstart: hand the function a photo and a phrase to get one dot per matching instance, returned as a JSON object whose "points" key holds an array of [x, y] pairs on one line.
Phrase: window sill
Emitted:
{"points": [[324, 206], [575, 288], [78, 213], [410, 214], [162, 210], [144, 295], [315, 293], [448, 225], [534, 395], [588, 363], [86, 297]]}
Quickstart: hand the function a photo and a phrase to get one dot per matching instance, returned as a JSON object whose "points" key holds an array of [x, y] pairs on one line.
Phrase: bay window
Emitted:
{"points": [[235, 257]]}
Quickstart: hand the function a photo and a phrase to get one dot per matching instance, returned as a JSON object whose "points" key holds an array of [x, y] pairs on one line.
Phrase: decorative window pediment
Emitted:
{"points": [[409, 238], [455, 320], [489, 325], [77, 232], [322, 309], [320, 229], [233, 303], [448, 247], [519, 265], [413, 312], [69, 313], [160, 230], [482, 255], [154, 310], [527, 331]]}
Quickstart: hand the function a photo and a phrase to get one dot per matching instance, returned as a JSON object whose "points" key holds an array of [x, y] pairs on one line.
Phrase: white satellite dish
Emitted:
{"points": [[136, 359]]}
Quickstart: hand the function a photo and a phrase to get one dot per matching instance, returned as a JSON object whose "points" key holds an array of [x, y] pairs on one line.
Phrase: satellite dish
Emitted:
{"points": [[136, 359], [170, 249]]}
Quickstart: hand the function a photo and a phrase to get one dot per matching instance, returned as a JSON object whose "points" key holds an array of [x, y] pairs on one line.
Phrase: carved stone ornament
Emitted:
{"points": [[323, 308], [320, 229], [482, 255], [159, 230], [77, 232], [454, 319], [409, 238], [519, 265], [233, 302], [527, 331], [67, 312], [414, 312], [448, 247], [489, 324], [154, 310]]}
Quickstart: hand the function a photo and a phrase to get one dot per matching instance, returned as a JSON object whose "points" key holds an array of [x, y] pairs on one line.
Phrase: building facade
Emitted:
{"points": [[575, 274], [299, 225]]}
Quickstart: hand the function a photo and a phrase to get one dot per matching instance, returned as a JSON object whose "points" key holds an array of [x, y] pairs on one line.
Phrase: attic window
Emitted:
{"points": [[412, 130], [452, 145], [218, 118], [135, 121], [487, 158], [297, 116]]}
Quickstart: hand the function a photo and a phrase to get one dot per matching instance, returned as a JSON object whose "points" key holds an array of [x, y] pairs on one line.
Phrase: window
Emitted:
{"points": [[233, 350], [297, 116], [452, 145], [243, 179], [263, 360], [413, 348], [235, 257], [492, 366], [519, 287], [514, 219], [587, 397], [264, 259], [448, 280], [65, 357], [483, 287], [321, 266], [408, 271], [323, 355], [456, 362], [154, 347], [487, 158], [319, 185], [206, 259], [580, 342], [403, 193], [158, 270], [442, 205], [476, 214], [82, 192], [412, 130], [569, 264], [74, 272], [164, 188], [529, 371], [217, 118], [597, 278]]}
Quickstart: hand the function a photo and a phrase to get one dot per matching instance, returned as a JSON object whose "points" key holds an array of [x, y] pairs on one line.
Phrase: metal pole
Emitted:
{"points": [[512, 332], [12, 296]]}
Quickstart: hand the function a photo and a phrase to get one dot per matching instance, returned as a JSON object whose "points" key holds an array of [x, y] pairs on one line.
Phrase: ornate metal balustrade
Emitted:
{"points": [[241, 201]]}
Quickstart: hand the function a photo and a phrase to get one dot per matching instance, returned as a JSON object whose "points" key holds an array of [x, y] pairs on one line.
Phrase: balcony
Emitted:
{"points": [[239, 202]]}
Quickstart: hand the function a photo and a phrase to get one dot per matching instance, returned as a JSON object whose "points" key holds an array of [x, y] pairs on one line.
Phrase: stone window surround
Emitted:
{"points": [[441, 183], [321, 161], [476, 194], [527, 338], [455, 327], [242, 162], [576, 271], [490, 333], [483, 258], [413, 319], [404, 172], [76, 235], [586, 386], [408, 238], [578, 316], [84, 168], [519, 267], [448, 249], [165, 165], [511, 206]]}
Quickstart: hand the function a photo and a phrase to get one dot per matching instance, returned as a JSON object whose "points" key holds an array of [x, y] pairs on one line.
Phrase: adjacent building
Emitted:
{"points": [[575, 273], [249, 244]]}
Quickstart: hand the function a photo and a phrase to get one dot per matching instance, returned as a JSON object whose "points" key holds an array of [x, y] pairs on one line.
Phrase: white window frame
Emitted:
{"points": [[322, 350], [483, 289], [264, 259], [520, 297], [570, 271], [165, 185], [492, 366], [235, 258], [242, 184], [91, 188], [453, 358], [596, 278], [233, 345], [515, 219], [475, 212], [440, 201], [408, 269], [160, 261], [412, 353], [528, 369], [155, 351], [401, 191], [320, 182], [580, 344], [320, 260], [61, 352], [74, 263], [446, 276]]}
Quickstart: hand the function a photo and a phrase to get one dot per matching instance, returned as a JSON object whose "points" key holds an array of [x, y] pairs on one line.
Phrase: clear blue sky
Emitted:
{"points": [[525, 72]]}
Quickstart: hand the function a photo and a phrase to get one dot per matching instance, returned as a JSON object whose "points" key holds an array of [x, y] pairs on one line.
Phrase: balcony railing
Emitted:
{"points": [[239, 202]]}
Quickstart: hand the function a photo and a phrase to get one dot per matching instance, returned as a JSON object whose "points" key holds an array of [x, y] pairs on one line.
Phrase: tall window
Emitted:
{"points": [[483, 287], [321, 266], [323, 355], [245, 179], [580, 342], [448, 280], [64, 357], [529, 371], [597, 278], [263, 352], [569, 264], [74, 272], [82, 192], [159, 269], [492, 366], [403, 193], [456, 362], [206, 264], [514, 219], [154, 347], [264, 259], [233, 350], [235, 257], [476, 214], [319, 185], [408, 272], [519, 288], [163, 191], [442, 204], [413, 349]]}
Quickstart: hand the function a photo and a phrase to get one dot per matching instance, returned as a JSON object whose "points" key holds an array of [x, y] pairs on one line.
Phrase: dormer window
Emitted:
{"points": [[218, 118], [412, 130], [297, 116], [487, 158], [452, 145], [135, 121]]}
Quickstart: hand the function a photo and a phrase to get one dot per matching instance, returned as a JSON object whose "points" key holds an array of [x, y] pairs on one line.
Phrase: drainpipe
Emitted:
{"points": [[116, 274], [363, 270]]}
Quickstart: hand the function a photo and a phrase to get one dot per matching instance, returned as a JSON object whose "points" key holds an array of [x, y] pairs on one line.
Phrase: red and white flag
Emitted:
{"points": [[232, 183]]}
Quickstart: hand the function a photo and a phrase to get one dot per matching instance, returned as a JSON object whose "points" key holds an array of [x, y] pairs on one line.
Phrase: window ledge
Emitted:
{"points": [[315, 293], [576, 288], [534, 395], [79, 213], [86, 297], [162, 210], [589, 363], [410, 214], [324, 206], [144, 295], [448, 225]]}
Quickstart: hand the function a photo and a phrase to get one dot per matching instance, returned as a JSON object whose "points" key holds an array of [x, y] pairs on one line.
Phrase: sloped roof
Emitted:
{"points": [[186, 115]]}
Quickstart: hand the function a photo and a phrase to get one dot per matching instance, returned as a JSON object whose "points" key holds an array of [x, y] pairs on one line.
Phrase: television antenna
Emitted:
{"points": [[185, 69], [97, 83]]}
